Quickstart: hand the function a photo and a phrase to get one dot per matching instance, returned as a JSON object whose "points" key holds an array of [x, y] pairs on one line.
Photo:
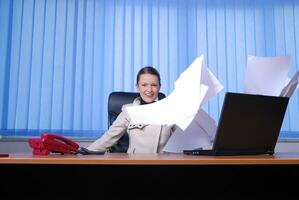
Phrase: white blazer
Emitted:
{"points": [[143, 138]]}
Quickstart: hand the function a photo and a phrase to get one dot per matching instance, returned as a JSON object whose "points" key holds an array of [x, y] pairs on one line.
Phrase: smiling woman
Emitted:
{"points": [[148, 84], [143, 138]]}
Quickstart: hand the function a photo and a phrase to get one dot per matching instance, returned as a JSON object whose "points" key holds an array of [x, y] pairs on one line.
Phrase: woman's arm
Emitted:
{"points": [[112, 135]]}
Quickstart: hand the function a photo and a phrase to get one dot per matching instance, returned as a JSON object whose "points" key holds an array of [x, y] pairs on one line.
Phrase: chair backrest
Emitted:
{"points": [[115, 102]]}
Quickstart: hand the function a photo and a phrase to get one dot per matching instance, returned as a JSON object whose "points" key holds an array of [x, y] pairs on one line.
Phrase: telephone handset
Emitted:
{"points": [[49, 142], [53, 143]]}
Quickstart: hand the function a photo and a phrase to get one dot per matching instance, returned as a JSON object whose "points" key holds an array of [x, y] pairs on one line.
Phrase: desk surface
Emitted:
{"points": [[153, 159]]}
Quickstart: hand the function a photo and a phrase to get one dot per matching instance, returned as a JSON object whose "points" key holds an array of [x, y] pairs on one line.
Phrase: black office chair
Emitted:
{"points": [[115, 102]]}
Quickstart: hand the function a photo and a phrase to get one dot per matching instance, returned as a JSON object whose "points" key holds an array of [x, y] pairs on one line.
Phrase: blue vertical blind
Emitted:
{"points": [[60, 59]]}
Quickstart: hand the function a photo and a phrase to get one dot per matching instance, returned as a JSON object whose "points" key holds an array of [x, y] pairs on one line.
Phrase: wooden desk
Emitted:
{"points": [[152, 159], [146, 175]]}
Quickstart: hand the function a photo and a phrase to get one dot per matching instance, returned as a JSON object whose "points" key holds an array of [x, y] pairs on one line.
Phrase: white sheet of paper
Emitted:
{"points": [[266, 75], [194, 87], [186, 140], [185, 123], [199, 134], [167, 111], [214, 85], [208, 124], [292, 85]]}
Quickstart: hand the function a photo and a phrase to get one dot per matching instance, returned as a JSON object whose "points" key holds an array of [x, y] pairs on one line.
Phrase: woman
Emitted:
{"points": [[143, 138]]}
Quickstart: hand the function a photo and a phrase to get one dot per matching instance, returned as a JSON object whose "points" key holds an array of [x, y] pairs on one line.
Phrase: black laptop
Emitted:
{"points": [[248, 125]]}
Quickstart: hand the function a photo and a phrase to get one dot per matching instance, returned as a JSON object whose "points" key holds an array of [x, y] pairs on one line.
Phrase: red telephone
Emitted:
{"points": [[50, 142]]}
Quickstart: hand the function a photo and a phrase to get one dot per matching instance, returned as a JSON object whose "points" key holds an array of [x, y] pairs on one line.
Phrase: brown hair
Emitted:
{"points": [[148, 70]]}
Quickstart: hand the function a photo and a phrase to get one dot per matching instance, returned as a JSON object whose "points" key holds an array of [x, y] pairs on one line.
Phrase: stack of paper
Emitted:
{"points": [[269, 76]]}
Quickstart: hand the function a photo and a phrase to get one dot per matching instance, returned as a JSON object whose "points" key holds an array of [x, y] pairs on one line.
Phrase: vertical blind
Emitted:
{"points": [[60, 59]]}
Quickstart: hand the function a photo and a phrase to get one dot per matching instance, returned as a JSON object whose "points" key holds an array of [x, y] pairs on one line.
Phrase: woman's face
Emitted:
{"points": [[148, 87]]}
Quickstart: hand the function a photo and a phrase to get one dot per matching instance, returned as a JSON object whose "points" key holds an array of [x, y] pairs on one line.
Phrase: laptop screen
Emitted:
{"points": [[250, 122]]}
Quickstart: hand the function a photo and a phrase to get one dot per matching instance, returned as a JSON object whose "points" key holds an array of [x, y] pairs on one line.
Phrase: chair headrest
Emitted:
{"points": [[118, 99]]}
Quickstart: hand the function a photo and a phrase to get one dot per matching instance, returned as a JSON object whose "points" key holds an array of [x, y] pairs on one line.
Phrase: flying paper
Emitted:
{"points": [[266, 75], [194, 87]]}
